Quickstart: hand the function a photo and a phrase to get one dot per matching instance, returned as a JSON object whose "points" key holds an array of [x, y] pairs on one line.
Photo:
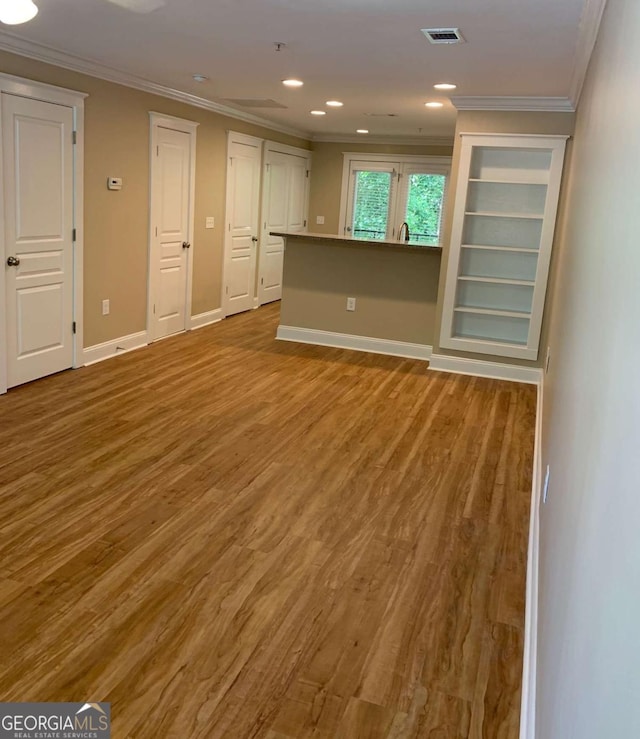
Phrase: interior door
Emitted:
{"points": [[37, 148], [298, 192], [275, 210], [284, 208], [243, 193], [171, 185]]}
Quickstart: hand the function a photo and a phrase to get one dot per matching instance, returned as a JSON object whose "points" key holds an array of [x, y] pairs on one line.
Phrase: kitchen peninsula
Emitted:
{"points": [[394, 284]]}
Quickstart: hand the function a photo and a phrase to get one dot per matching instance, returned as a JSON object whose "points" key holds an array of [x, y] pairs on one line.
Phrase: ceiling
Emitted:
{"points": [[370, 54]]}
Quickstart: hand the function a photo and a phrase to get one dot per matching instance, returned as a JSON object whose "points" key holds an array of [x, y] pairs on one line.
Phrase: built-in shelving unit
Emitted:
{"points": [[504, 217]]}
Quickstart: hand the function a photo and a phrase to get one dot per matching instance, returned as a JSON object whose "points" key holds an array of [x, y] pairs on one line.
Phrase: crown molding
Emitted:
{"points": [[395, 140], [587, 36], [49, 55], [531, 104]]}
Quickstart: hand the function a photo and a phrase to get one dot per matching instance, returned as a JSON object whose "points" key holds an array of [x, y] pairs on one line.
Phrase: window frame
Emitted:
{"points": [[401, 163]]}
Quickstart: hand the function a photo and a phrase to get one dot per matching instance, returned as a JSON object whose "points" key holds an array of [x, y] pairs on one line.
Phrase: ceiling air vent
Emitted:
{"points": [[256, 103], [443, 35]]}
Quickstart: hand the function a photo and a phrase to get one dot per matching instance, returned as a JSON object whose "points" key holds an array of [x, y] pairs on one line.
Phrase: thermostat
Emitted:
{"points": [[114, 183]]}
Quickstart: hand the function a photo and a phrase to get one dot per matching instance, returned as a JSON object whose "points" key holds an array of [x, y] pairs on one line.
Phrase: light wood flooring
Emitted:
{"points": [[229, 536]]}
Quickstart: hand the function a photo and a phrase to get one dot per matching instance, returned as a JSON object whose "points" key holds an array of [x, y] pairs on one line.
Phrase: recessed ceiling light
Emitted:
{"points": [[14, 13], [433, 104], [362, 130], [200, 78], [445, 86], [334, 103], [318, 112], [293, 83]]}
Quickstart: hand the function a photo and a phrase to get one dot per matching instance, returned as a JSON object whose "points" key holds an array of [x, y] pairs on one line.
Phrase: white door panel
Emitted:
{"points": [[172, 208], [243, 192], [297, 211], [284, 209], [38, 188]]}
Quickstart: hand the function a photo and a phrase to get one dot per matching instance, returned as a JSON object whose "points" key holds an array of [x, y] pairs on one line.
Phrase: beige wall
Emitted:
{"points": [[116, 223], [395, 289], [589, 592], [326, 180], [498, 122]]}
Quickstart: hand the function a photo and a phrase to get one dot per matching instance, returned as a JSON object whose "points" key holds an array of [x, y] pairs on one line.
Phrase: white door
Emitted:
{"points": [[243, 202], [284, 207], [171, 244], [298, 193], [275, 209], [37, 150]]}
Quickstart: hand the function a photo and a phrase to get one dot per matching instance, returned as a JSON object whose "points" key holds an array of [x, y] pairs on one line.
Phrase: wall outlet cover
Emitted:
{"points": [[320, 220], [351, 304]]}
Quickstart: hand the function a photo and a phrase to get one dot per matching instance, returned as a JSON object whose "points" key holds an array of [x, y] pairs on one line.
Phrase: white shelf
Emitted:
{"points": [[489, 214], [496, 281], [488, 247], [504, 214], [506, 182], [491, 312]]}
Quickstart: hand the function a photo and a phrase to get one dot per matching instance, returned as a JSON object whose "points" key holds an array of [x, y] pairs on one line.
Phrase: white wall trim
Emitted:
{"points": [[480, 368], [354, 342], [587, 36], [295, 151], [530, 661], [364, 156], [115, 347], [75, 100], [206, 319], [384, 140], [48, 55], [532, 104]]}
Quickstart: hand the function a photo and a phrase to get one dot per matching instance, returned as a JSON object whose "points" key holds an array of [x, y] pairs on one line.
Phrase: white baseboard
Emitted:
{"points": [[357, 343], [479, 368], [530, 661], [124, 344], [206, 319]]}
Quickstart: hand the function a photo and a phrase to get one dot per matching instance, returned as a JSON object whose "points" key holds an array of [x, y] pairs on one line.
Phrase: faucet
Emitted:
{"points": [[405, 228]]}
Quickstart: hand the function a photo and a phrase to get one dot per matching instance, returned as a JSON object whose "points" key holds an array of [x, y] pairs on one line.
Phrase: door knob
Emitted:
{"points": [[13, 261], [186, 245]]}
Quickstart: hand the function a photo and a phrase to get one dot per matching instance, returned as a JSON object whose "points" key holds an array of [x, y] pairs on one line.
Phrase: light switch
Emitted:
{"points": [[210, 222]]}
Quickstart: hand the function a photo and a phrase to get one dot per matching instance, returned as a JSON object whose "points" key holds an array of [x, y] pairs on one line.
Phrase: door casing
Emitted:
{"points": [[75, 100]]}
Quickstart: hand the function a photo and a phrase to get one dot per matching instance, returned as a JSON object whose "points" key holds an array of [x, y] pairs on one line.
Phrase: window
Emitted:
{"points": [[383, 192]]}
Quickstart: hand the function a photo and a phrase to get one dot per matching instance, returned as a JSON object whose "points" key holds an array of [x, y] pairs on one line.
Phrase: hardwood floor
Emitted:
{"points": [[229, 536]]}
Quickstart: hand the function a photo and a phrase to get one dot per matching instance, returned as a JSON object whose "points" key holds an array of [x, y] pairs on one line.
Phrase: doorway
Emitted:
{"points": [[244, 158], [41, 209], [172, 177]]}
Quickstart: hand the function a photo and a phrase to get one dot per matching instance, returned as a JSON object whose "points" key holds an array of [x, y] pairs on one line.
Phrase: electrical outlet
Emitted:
{"points": [[210, 222], [545, 490], [351, 303], [106, 307], [320, 220], [547, 360]]}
